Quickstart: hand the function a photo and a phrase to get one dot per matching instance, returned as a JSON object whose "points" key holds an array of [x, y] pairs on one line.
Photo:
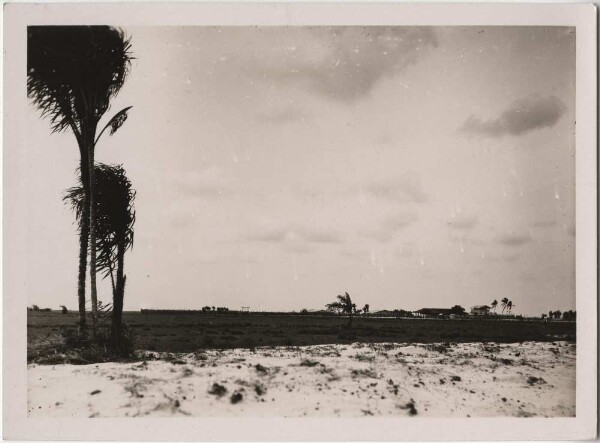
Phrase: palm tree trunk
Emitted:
{"points": [[92, 218], [83, 244], [118, 296]]}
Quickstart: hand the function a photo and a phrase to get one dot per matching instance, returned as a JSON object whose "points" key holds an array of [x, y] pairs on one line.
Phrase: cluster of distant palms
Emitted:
{"points": [[505, 304], [73, 72]]}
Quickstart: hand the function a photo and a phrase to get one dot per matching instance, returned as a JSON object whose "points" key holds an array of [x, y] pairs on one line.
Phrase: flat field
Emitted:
{"points": [[190, 332]]}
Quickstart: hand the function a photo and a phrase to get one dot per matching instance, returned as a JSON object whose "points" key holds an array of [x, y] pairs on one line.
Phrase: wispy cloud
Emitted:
{"points": [[406, 189], [351, 60], [269, 235], [316, 235], [515, 238], [209, 182], [282, 116], [293, 235], [522, 116], [390, 225], [464, 222]]}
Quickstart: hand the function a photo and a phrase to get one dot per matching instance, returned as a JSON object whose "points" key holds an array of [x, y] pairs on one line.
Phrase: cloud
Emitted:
{"points": [[515, 239], [208, 182], [405, 189], [294, 236], [522, 116], [282, 116], [347, 62], [389, 226], [465, 223], [273, 235], [355, 253], [298, 248], [316, 235]]}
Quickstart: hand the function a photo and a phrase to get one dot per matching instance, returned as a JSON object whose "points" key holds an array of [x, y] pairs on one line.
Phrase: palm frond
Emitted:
{"points": [[74, 71], [115, 213]]}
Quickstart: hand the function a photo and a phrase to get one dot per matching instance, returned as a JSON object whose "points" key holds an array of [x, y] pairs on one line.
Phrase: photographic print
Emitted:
{"points": [[335, 221]]}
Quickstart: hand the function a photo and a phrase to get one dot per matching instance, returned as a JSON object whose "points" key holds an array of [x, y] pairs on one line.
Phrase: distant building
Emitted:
{"points": [[432, 312], [480, 310]]}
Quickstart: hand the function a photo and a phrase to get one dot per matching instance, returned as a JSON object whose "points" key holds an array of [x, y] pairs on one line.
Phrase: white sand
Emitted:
{"points": [[335, 380]]}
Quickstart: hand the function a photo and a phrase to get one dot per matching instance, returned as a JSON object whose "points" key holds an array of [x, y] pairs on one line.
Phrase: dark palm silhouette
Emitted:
{"points": [[343, 305], [509, 306], [114, 226], [494, 304], [73, 72], [504, 304]]}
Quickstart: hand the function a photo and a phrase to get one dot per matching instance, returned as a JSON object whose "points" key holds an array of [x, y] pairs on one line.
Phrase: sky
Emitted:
{"points": [[277, 167]]}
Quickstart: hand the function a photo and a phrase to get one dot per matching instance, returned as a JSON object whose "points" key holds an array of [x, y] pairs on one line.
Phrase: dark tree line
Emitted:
{"points": [[557, 315]]}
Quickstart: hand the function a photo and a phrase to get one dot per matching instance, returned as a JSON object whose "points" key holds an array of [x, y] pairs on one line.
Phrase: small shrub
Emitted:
{"points": [[531, 380], [366, 373], [364, 357], [260, 389], [309, 363], [236, 397], [218, 390], [261, 369], [412, 410]]}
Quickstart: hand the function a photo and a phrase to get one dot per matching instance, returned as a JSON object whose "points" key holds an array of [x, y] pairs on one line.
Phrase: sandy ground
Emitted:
{"points": [[440, 380]]}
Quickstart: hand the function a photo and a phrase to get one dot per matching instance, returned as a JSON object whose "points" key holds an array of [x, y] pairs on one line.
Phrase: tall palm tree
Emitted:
{"points": [[114, 226], [494, 304], [504, 304], [73, 72]]}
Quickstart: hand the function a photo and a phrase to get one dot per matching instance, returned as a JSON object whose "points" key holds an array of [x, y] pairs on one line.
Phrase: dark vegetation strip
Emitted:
{"points": [[192, 332]]}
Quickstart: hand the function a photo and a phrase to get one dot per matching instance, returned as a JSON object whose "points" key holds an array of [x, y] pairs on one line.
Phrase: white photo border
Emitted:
{"points": [[16, 424]]}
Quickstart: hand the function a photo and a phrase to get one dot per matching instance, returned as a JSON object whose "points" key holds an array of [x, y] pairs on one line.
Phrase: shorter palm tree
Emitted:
{"points": [[115, 217]]}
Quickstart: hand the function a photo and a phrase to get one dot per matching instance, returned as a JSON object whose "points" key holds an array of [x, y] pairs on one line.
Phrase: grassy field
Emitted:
{"points": [[193, 331]]}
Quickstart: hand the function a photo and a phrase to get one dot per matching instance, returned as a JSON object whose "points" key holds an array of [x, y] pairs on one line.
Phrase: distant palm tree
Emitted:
{"points": [[509, 306], [504, 304], [494, 304], [365, 309], [344, 305], [114, 225], [73, 72]]}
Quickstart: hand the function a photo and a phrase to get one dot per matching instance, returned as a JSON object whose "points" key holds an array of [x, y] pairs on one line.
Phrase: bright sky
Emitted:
{"points": [[279, 167]]}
